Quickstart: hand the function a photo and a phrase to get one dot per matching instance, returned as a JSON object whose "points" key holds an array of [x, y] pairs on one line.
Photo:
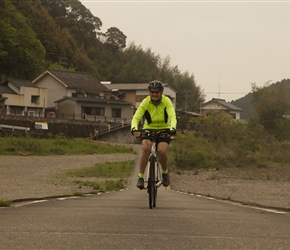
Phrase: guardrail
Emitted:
{"points": [[110, 128], [14, 127]]}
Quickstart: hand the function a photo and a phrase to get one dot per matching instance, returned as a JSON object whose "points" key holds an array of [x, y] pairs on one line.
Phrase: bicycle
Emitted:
{"points": [[154, 176]]}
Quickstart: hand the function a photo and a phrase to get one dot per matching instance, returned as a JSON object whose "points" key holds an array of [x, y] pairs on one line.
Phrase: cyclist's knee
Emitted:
{"points": [[146, 145], [162, 153], [162, 148]]}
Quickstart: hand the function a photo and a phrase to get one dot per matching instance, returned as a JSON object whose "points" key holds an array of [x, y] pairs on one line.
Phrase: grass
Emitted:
{"points": [[242, 158], [106, 170], [108, 176], [101, 177], [103, 186], [58, 146], [5, 203]]}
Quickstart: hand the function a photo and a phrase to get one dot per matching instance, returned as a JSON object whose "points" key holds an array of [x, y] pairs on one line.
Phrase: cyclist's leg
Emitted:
{"points": [[145, 152], [143, 161], [162, 154], [163, 159]]}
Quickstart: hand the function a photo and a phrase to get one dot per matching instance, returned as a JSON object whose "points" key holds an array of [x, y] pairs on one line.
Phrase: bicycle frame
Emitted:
{"points": [[154, 176]]}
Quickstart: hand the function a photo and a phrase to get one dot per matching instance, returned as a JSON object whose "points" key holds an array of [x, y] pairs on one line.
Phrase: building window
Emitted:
{"points": [[94, 111], [116, 113], [88, 110], [35, 99], [100, 111]]}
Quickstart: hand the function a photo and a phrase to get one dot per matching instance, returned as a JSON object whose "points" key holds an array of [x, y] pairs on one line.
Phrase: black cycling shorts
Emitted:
{"points": [[166, 139]]}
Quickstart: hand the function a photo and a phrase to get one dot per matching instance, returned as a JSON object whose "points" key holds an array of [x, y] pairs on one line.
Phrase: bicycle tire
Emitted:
{"points": [[151, 183], [156, 180]]}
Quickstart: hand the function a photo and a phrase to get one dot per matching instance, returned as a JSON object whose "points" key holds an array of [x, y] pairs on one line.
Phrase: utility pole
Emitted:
{"points": [[219, 86]]}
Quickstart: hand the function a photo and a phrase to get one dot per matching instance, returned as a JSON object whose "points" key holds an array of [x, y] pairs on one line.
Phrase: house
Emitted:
{"points": [[2, 103], [220, 105], [61, 83], [22, 98], [136, 92], [79, 95], [94, 109]]}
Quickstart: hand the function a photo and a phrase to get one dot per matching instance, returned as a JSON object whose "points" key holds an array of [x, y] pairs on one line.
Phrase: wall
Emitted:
{"points": [[121, 135], [55, 127], [55, 90]]}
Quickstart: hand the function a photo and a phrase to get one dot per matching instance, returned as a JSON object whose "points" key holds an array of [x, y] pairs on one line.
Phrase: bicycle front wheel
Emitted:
{"points": [[151, 184]]}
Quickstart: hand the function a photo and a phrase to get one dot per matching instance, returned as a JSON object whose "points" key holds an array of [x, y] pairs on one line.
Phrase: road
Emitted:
{"points": [[123, 220]]}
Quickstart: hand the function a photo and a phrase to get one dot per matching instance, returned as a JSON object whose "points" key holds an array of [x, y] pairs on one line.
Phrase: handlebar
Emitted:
{"points": [[155, 133]]}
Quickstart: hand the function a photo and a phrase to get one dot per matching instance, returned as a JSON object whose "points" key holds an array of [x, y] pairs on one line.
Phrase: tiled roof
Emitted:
{"points": [[22, 83], [6, 90], [131, 86], [223, 103], [4, 87], [127, 86], [106, 101], [78, 80]]}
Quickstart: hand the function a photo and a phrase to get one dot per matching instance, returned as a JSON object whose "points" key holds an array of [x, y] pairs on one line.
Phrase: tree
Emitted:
{"points": [[115, 38], [62, 48], [22, 54], [271, 104], [75, 17]]}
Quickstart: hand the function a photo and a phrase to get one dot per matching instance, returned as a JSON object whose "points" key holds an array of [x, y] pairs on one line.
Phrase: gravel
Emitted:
{"points": [[264, 193], [33, 177]]}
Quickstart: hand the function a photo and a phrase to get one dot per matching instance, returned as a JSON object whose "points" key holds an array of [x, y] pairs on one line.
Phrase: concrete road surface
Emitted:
{"points": [[123, 220]]}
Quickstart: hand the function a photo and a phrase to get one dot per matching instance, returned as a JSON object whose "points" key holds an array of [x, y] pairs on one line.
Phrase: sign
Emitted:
{"points": [[41, 125]]}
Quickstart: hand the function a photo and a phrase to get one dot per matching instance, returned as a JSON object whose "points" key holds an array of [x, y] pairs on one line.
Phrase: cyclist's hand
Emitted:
{"points": [[135, 133], [173, 131]]}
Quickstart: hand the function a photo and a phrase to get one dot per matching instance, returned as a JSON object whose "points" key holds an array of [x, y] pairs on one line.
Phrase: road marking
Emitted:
{"points": [[20, 204], [27, 203], [235, 203]]}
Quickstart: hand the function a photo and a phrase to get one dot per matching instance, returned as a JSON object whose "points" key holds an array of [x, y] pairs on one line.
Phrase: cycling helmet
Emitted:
{"points": [[155, 85]]}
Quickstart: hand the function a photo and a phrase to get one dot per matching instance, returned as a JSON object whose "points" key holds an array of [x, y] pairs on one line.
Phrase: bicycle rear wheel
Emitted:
{"points": [[157, 179], [151, 184]]}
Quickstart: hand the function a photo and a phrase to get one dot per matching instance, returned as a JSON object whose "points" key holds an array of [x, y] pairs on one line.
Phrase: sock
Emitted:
{"points": [[141, 175], [164, 171]]}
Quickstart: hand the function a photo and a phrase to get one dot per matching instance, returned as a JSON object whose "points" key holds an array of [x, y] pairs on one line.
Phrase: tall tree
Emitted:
{"points": [[61, 46], [22, 54], [115, 38], [271, 104], [72, 15]]}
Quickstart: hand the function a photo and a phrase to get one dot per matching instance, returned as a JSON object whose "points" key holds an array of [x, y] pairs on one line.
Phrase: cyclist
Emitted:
{"points": [[159, 114]]}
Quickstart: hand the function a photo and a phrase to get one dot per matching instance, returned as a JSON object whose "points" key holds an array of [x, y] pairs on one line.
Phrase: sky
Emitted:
{"points": [[226, 45]]}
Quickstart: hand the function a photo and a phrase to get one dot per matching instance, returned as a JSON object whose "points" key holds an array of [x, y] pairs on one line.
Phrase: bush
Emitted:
{"points": [[223, 142]]}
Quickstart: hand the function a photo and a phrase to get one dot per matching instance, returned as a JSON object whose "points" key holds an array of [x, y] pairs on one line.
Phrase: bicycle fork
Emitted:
{"points": [[158, 175]]}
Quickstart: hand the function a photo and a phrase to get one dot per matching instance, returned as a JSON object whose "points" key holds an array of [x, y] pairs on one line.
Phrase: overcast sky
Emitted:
{"points": [[226, 45]]}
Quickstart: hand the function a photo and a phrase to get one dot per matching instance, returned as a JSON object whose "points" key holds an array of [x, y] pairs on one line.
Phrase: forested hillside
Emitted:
{"points": [[246, 102], [40, 34]]}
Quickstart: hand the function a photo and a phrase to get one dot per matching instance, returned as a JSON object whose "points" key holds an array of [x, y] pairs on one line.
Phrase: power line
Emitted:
{"points": [[231, 93]]}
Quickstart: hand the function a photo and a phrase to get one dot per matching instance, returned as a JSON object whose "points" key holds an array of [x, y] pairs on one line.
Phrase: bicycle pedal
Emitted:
{"points": [[158, 184]]}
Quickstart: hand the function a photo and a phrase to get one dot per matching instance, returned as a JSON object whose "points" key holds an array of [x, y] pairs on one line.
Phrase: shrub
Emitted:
{"points": [[223, 142]]}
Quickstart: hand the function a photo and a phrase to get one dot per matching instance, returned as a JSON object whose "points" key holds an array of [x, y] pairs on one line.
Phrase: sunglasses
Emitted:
{"points": [[155, 92]]}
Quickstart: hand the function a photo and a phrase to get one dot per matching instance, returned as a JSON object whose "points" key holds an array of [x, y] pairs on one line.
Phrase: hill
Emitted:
{"points": [[41, 34], [246, 102]]}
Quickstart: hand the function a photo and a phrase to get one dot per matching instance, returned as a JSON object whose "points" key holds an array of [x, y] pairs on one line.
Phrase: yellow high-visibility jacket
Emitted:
{"points": [[157, 117]]}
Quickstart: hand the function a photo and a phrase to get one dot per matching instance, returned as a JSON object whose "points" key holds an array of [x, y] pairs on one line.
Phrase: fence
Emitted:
{"points": [[84, 129]]}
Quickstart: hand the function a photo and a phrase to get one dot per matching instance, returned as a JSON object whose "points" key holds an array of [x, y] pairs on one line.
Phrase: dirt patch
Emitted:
{"points": [[249, 186], [33, 176]]}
